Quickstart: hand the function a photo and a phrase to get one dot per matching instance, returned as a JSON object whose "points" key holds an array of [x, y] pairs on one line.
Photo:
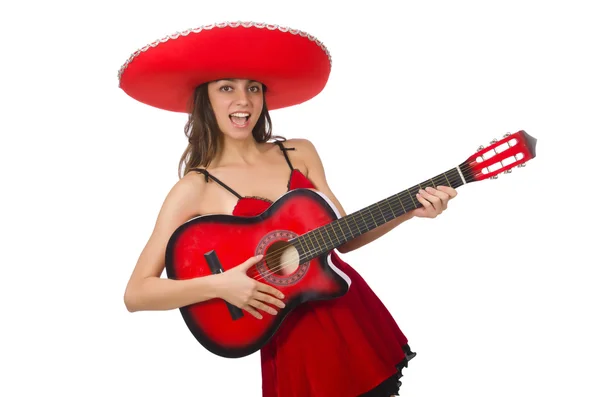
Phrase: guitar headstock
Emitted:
{"points": [[513, 150]]}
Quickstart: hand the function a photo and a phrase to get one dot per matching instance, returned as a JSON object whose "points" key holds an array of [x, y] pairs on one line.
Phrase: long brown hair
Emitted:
{"points": [[204, 135]]}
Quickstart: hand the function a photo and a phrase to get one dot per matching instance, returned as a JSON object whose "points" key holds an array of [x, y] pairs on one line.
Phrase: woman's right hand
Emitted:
{"points": [[247, 293]]}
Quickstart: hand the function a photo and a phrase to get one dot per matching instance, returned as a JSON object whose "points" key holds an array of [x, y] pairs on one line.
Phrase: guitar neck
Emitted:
{"points": [[325, 238]]}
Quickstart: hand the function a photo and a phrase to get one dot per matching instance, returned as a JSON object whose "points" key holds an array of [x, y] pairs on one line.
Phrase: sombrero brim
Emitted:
{"points": [[292, 64]]}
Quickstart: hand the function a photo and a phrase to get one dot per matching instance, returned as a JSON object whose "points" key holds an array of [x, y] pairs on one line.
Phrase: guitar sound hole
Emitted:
{"points": [[282, 258]]}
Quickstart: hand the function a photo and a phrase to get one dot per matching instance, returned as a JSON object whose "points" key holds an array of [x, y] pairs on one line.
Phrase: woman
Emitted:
{"points": [[346, 347]]}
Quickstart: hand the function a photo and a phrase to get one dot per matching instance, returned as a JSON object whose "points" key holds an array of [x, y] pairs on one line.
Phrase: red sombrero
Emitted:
{"points": [[292, 64]]}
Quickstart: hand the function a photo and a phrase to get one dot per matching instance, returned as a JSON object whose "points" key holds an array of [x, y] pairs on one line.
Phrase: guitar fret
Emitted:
{"points": [[390, 214], [325, 236], [349, 228], [357, 227], [361, 215], [315, 240], [342, 234], [321, 240], [449, 184], [400, 201], [311, 242], [411, 198], [438, 180], [382, 215], [391, 209], [302, 245], [371, 213], [326, 231]]}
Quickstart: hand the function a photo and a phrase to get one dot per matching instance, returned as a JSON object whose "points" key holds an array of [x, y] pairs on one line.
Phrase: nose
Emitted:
{"points": [[242, 97]]}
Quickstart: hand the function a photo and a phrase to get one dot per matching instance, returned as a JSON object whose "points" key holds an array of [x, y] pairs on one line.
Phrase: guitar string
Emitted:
{"points": [[293, 263], [384, 216], [386, 212]]}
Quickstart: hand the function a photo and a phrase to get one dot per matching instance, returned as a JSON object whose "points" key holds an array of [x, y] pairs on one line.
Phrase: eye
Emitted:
{"points": [[255, 88], [226, 88]]}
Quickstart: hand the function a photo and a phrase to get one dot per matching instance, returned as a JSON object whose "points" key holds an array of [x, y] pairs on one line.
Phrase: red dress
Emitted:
{"points": [[346, 347]]}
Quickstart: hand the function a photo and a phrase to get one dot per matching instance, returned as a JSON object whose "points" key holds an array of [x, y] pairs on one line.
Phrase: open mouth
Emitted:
{"points": [[240, 119]]}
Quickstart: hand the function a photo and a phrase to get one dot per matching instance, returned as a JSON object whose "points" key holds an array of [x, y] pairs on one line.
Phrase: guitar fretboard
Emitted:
{"points": [[325, 238]]}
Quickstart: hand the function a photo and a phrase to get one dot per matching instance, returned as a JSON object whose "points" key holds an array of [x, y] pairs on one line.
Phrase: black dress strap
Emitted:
{"points": [[284, 150], [208, 175]]}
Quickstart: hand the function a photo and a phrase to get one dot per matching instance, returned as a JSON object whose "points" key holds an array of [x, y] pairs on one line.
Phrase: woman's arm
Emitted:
{"points": [[146, 290], [434, 201]]}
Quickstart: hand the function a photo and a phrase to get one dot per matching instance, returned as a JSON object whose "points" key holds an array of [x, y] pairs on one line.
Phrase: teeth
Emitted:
{"points": [[240, 114]]}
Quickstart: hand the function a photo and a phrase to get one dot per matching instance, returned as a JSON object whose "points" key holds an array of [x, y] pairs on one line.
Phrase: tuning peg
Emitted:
{"points": [[494, 177], [508, 171], [480, 148], [521, 165], [493, 141], [506, 135]]}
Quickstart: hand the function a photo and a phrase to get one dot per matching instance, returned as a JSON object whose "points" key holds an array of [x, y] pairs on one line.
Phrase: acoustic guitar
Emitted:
{"points": [[296, 235]]}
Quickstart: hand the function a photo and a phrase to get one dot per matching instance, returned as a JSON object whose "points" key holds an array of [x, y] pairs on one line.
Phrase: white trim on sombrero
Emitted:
{"points": [[248, 24]]}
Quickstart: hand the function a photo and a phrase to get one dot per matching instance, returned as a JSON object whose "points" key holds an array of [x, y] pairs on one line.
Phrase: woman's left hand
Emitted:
{"points": [[434, 201]]}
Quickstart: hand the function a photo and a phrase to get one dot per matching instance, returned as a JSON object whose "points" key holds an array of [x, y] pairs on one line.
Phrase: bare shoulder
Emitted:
{"points": [[182, 200], [305, 152], [302, 145], [181, 203], [308, 155], [179, 206]]}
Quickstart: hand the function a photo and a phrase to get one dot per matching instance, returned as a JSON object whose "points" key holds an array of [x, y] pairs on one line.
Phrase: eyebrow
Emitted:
{"points": [[234, 80]]}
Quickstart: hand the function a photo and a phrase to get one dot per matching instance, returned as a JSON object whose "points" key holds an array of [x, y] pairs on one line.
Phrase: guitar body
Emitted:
{"points": [[233, 240]]}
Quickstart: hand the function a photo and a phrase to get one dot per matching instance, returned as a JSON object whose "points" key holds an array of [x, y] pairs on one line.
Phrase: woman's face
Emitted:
{"points": [[237, 105]]}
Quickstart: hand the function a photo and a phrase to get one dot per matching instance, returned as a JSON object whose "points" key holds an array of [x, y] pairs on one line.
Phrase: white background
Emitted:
{"points": [[498, 296]]}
